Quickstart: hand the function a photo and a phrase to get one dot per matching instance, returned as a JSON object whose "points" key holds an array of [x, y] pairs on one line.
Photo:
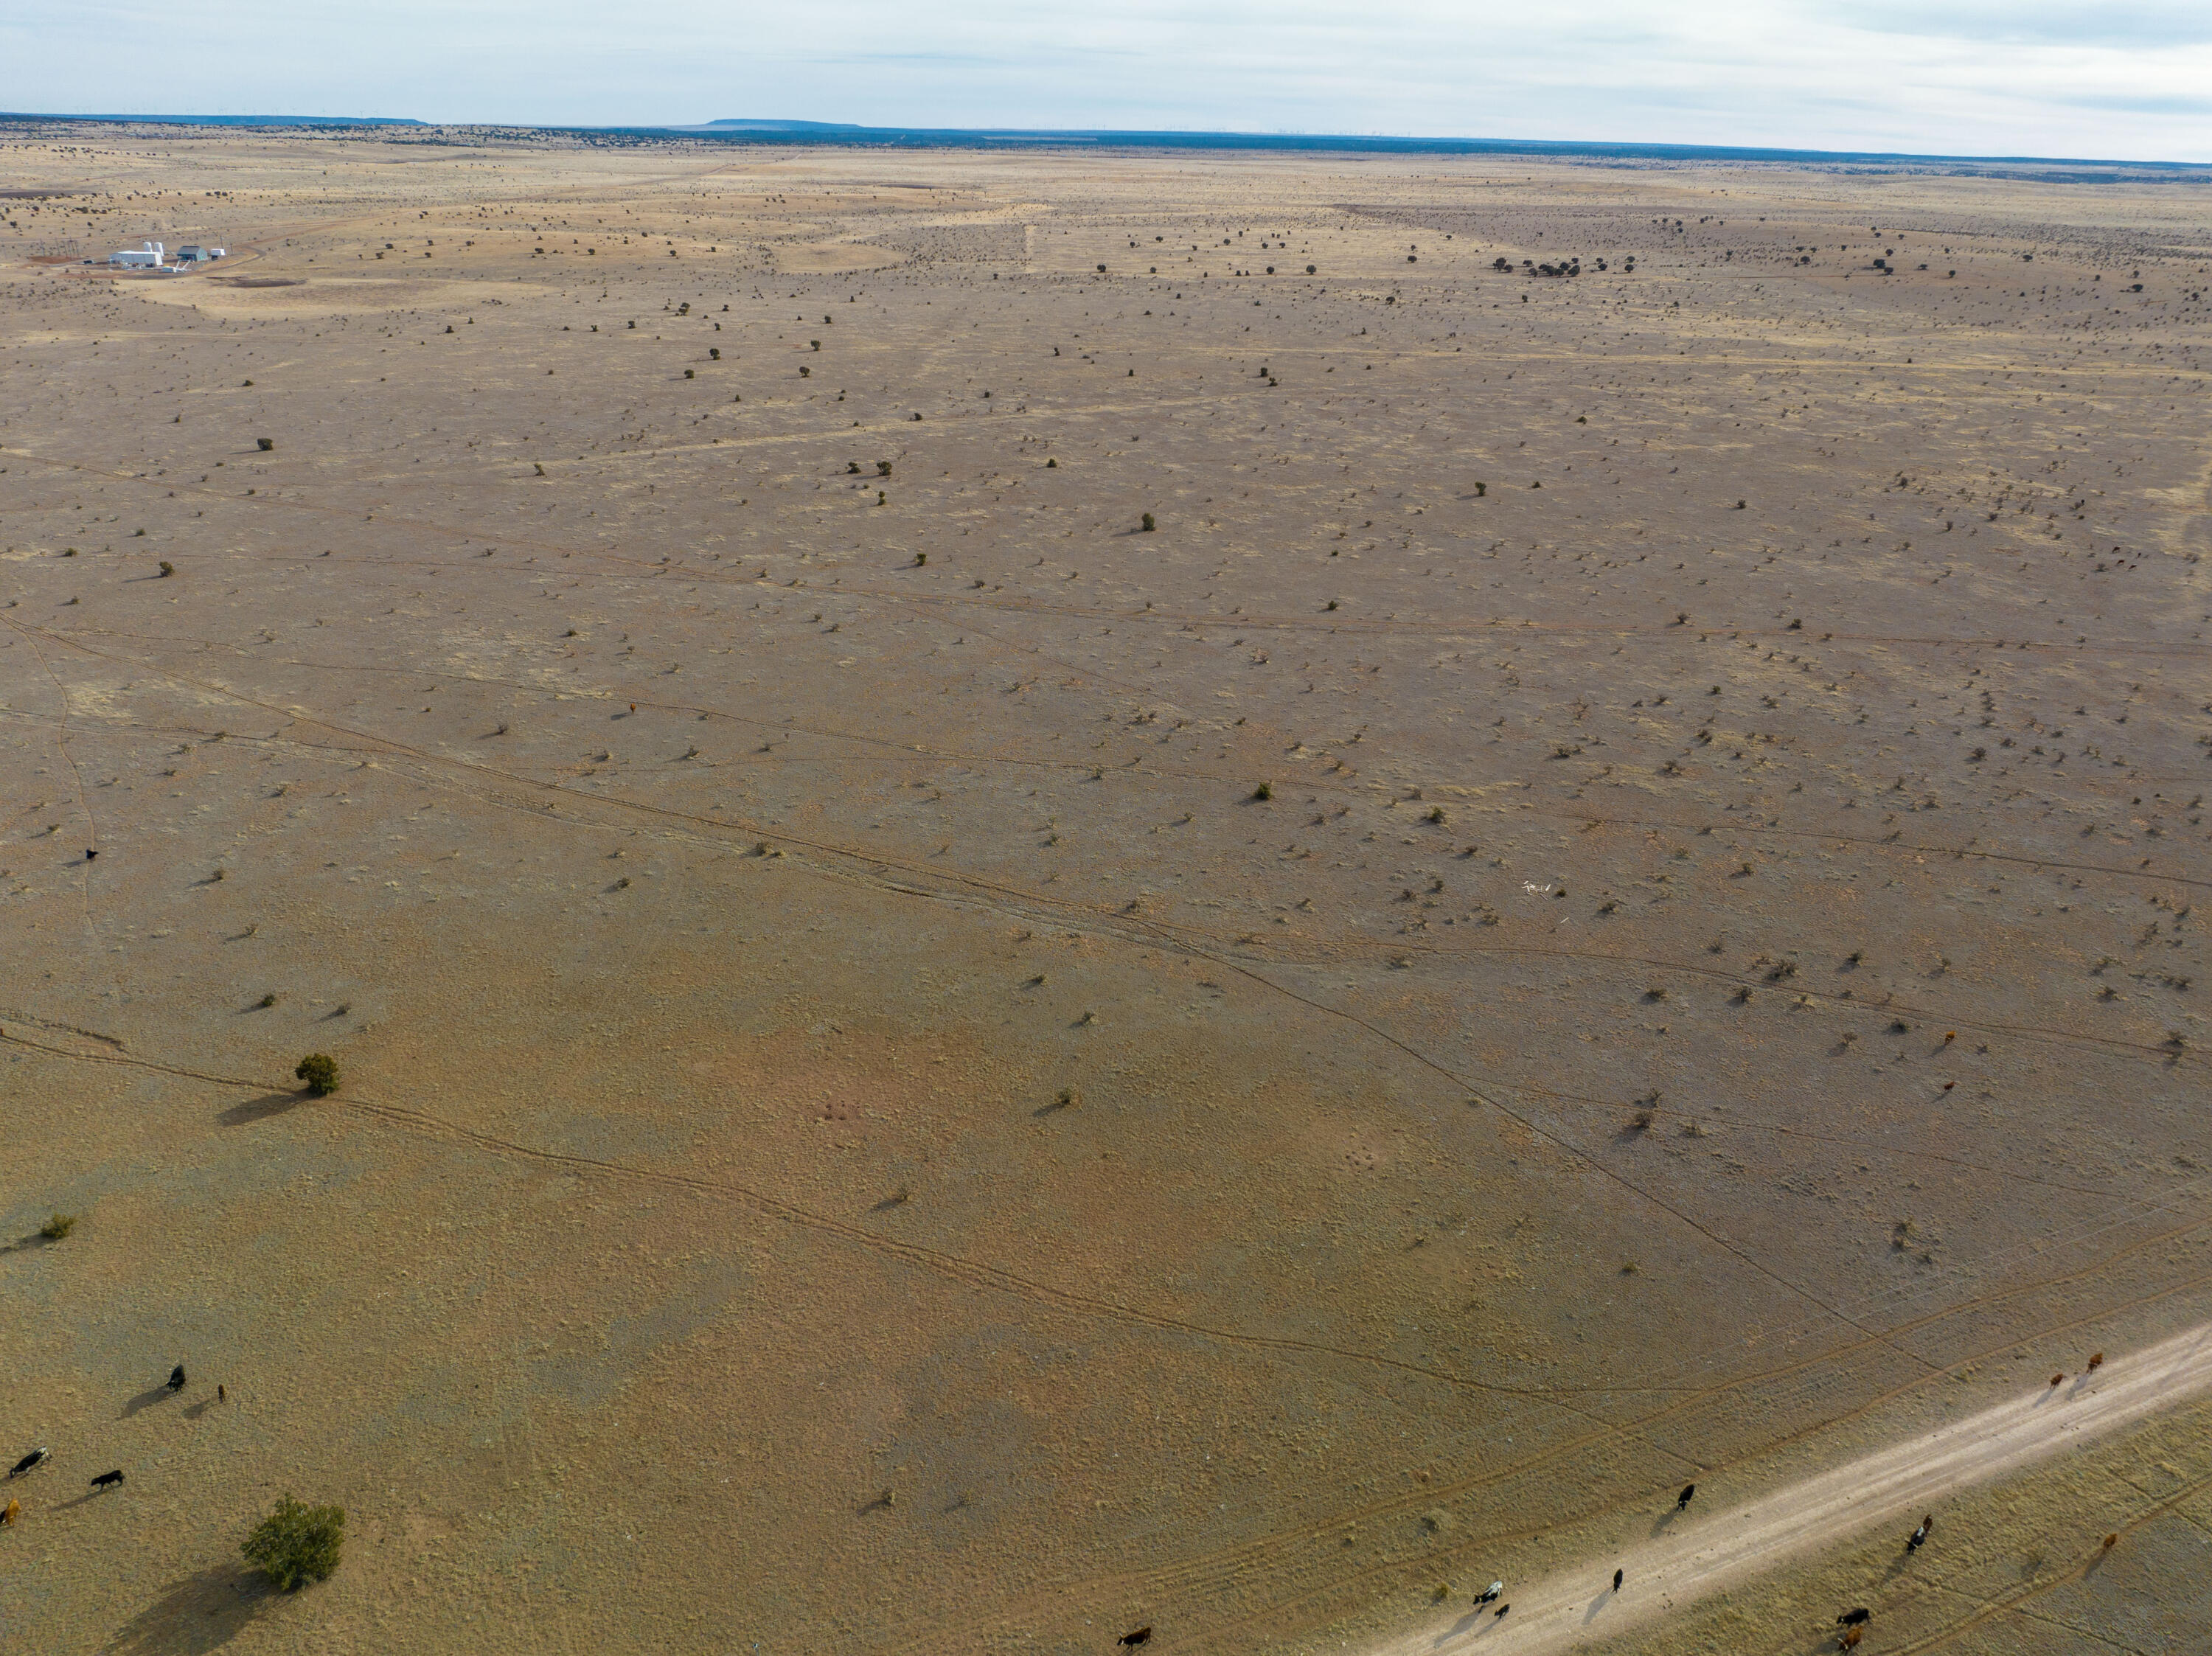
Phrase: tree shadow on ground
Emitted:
{"points": [[260, 1109], [196, 1614]]}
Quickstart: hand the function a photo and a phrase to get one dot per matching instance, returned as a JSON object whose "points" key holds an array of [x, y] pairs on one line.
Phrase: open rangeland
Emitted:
{"points": [[1061, 892]]}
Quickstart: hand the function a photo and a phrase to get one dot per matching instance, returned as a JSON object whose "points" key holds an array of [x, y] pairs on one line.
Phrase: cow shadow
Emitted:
{"points": [[195, 1614], [1898, 1566], [260, 1109], [145, 1400], [85, 1499], [1458, 1629]]}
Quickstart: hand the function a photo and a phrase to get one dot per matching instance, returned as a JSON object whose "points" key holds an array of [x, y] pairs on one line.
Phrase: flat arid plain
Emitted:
{"points": [[1064, 892]]}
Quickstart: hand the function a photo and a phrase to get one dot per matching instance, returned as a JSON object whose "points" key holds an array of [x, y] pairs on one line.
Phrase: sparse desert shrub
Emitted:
{"points": [[320, 1070], [1052, 466], [57, 1226], [920, 559], [168, 568], [1265, 790], [296, 1544], [1148, 525], [265, 444], [883, 468]]}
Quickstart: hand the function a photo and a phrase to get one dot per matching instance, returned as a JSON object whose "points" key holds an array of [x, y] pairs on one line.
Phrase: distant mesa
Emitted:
{"points": [[747, 125]]}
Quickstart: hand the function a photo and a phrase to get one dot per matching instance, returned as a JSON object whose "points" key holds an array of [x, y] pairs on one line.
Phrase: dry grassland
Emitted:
{"points": [[1607, 899]]}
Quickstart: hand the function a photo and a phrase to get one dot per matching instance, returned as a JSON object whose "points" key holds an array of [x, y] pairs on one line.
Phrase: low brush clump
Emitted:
{"points": [[296, 1544]]}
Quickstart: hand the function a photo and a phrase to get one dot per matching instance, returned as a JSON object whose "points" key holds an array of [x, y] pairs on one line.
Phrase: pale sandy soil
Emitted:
{"points": [[865, 1126]]}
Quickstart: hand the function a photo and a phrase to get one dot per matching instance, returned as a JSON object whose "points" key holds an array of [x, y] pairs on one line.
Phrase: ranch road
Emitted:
{"points": [[1697, 1555]]}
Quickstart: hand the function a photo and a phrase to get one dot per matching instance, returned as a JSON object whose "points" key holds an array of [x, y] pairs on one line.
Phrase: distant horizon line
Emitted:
{"points": [[829, 134]]}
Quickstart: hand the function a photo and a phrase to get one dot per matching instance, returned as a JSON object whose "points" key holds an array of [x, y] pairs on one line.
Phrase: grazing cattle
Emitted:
{"points": [[1683, 1499], [1616, 1580], [11, 1512], [1852, 1618], [2058, 1379], [1131, 1640], [2097, 1362], [1920, 1535], [1488, 1594], [222, 1394], [1846, 1640], [176, 1378], [1500, 1611], [90, 855], [28, 1461], [2111, 1542], [108, 1480]]}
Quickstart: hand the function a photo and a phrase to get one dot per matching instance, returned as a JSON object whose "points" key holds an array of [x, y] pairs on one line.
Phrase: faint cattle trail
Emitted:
{"points": [[1698, 1556]]}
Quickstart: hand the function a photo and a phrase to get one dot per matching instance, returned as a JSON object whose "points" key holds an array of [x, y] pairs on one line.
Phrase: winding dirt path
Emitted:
{"points": [[1702, 1553]]}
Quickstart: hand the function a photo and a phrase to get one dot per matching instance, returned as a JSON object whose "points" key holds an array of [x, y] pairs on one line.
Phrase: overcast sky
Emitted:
{"points": [[2102, 78]]}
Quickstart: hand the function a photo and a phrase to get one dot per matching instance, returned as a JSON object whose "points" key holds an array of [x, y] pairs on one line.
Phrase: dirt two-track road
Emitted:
{"points": [[1064, 891], [1694, 1554]]}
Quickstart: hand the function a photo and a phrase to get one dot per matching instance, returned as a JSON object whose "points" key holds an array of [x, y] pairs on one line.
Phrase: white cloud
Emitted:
{"points": [[2050, 77]]}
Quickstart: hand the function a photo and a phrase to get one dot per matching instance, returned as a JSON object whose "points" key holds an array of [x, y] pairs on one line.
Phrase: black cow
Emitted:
{"points": [[1683, 1499], [1616, 1580], [1500, 1611], [1141, 1637], [28, 1461], [176, 1378], [108, 1480], [1852, 1618]]}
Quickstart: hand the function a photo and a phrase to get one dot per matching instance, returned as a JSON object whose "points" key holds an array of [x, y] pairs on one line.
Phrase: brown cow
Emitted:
{"points": [[11, 1512], [2097, 1362], [1847, 1639]]}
